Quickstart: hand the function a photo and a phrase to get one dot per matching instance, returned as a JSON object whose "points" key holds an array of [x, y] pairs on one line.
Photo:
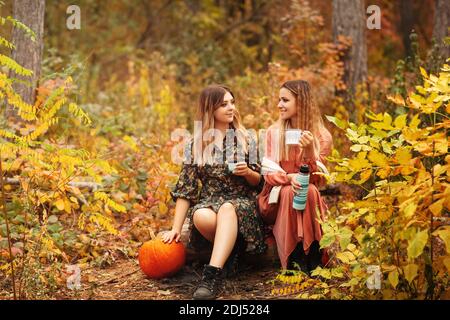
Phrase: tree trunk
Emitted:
{"points": [[28, 53], [406, 24], [441, 26], [349, 20]]}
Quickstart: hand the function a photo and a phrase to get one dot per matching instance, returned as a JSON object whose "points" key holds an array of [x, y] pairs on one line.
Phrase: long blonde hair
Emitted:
{"points": [[308, 117], [211, 98]]}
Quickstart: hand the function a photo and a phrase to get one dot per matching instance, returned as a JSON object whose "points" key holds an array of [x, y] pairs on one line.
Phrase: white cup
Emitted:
{"points": [[293, 136], [232, 165]]}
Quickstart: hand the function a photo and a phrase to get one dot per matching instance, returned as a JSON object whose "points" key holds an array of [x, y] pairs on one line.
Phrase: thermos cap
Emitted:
{"points": [[304, 168]]}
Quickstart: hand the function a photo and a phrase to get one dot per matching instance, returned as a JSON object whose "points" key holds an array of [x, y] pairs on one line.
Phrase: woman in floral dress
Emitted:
{"points": [[223, 209]]}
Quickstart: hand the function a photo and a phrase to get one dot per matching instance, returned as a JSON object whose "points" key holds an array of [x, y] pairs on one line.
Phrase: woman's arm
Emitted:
{"points": [[277, 179], [184, 193], [251, 176], [181, 209]]}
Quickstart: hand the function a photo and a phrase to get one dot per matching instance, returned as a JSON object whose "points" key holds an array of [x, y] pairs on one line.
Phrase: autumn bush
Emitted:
{"points": [[44, 179]]}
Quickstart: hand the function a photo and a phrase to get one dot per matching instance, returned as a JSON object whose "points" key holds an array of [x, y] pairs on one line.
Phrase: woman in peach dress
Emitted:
{"points": [[297, 233]]}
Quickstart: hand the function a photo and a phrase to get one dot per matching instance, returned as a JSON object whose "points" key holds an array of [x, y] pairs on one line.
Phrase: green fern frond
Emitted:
{"points": [[25, 110], [79, 113], [53, 110], [40, 130], [12, 136], [14, 148], [17, 24], [6, 43], [50, 101], [80, 153], [104, 222], [13, 65], [104, 197]]}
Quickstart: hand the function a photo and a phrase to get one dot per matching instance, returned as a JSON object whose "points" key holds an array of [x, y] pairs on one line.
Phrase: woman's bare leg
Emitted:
{"points": [[226, 234], [205, 220]]}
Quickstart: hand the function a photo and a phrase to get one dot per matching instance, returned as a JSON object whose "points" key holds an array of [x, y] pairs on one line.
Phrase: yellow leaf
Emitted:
{"points": [[365, 175], [444, 234], [387, 119], [393, 278], [383, 215], [410, 271], [407, 170], [441, 145], [383, 173], [446, 262], [436, 207], [414, 122], [371, 218], [163, 208], [59, 204], [410, 209], [417, 243], [382, 125], [67, 206], [378, 158], [131, 143], [345, 257], [357, 164], [403, 156], [439, 169], [397, 99], [423, 72], [400, 121]]}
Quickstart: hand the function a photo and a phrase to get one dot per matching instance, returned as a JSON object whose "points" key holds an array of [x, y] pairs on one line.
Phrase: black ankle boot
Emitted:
{"points": [[314, 257], [298, 257], [208, 287]]}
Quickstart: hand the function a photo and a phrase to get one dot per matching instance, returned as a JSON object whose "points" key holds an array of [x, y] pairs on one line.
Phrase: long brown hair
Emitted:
{"points": [[211, 98], [308, 116]]}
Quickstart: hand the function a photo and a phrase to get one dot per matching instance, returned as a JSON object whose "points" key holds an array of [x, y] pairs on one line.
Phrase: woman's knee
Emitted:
{"points": [[204, 217], [227, 208]]}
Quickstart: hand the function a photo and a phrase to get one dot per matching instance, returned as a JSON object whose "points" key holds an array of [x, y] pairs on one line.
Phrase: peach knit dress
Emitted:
{"points": [[292, 226]]}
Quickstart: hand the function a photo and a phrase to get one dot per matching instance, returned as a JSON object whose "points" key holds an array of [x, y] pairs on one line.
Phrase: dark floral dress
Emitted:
{"points": [[219, 186]]}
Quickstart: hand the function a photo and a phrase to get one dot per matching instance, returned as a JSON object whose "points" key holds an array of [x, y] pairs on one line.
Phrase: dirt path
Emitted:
{"points": [[125, 281]]}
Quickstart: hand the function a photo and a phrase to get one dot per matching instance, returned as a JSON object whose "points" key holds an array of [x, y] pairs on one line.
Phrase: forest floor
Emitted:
{"points": [[125, 281]]}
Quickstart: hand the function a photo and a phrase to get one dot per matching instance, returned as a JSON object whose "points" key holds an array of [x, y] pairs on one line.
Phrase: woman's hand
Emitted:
{"points": [[171, 235], [242, 169], [306, 139], [296, 186], [306, 142]]}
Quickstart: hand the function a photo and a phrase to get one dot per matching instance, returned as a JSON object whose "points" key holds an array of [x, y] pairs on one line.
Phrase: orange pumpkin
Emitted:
{"points": [[160, 260]]}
